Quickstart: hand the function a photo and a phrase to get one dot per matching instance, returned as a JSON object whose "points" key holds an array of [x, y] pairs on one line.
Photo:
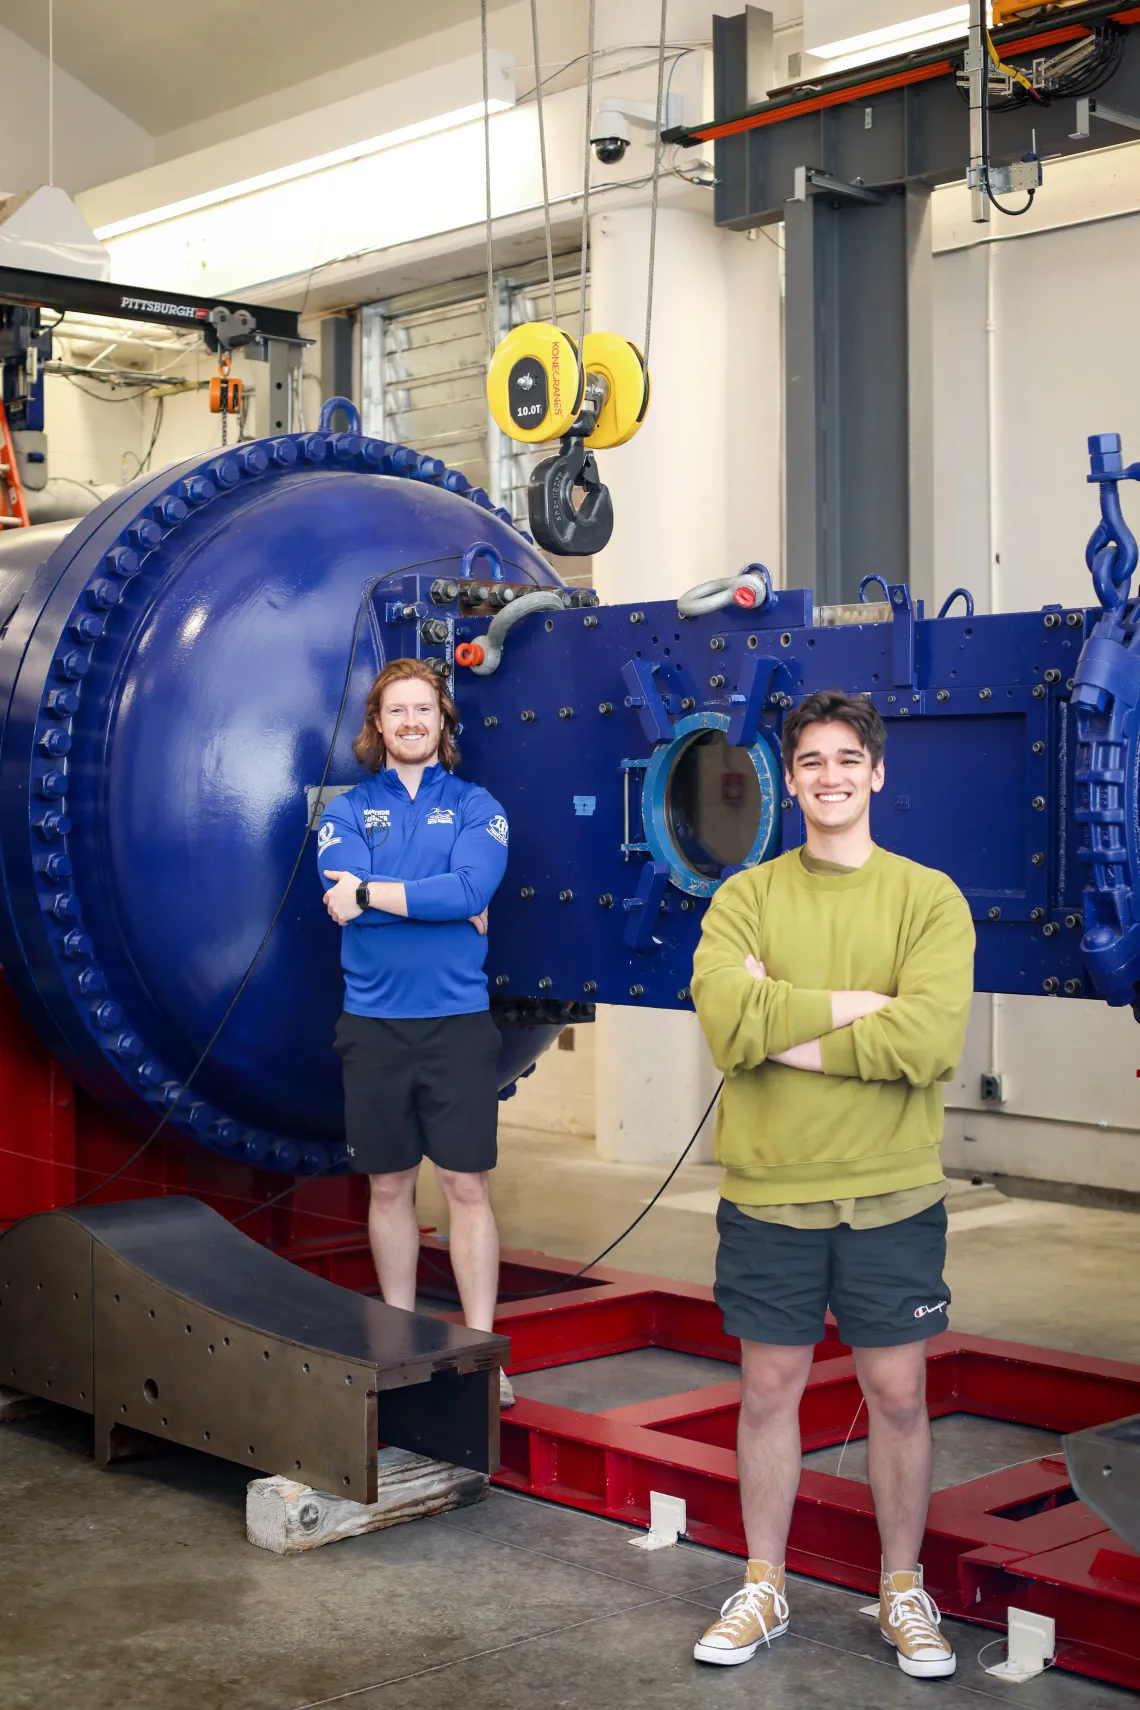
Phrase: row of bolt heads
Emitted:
{"points": [[589, 987]]}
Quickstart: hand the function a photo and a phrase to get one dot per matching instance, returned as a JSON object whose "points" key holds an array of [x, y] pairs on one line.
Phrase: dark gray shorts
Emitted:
{"points": [[885, 1286]]}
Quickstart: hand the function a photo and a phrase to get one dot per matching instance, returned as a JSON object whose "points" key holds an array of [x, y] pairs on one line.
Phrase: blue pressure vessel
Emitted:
{"points": [[172, 668]]}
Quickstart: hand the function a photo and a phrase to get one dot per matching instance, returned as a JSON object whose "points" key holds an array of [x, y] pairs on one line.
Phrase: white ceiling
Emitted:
{"points": [[167, 65]]}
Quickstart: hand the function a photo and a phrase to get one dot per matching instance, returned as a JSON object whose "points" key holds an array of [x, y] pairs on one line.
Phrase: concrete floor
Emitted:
{"points": [[134, 1589]]}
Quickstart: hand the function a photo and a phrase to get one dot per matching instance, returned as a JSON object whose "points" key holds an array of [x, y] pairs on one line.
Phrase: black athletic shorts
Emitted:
{"points": [[885, 1286], [416, 1089]]}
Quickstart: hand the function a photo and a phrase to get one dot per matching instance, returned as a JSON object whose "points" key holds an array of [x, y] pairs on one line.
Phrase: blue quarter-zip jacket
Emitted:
{"points": [[449, 848]]}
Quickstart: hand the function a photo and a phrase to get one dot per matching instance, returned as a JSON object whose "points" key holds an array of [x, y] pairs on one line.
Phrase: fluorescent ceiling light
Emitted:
{"points": [[911, 32], [301, 168]]}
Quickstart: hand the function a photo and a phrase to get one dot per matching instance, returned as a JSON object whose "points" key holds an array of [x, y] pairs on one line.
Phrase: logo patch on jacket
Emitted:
{"points": [[441, 816], [377, 819], [327, 836], [497, 828]]}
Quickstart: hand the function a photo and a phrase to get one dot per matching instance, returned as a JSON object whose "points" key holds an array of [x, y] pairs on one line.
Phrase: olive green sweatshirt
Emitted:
{"points": [[872, 1122]]}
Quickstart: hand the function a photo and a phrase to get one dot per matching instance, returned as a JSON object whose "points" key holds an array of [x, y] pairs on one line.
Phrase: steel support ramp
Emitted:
{"points": [[158, 1316]]}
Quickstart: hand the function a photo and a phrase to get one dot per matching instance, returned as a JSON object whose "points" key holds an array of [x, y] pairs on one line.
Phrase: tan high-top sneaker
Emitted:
{"points": [[909, 1620], [754, 1615]]}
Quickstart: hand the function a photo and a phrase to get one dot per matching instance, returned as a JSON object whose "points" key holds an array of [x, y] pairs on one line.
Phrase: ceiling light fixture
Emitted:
{"points": [[301, 169], [921, 31]]}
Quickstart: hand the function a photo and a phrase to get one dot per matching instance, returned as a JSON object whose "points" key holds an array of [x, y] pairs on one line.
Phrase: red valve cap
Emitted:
{"points": [[469, 653]]}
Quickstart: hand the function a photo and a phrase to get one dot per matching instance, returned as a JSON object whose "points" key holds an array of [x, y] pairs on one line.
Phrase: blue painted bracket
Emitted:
{"points": [[644, 695], [757, 676], [902, 636], [642, 908]]}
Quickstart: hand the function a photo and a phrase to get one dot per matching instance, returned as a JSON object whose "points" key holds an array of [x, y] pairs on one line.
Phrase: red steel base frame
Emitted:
{"points": [[1019, 1536]]}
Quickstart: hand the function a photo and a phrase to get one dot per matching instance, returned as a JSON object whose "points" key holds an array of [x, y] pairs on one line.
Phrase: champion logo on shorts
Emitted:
{"points": [[925, 1311]]}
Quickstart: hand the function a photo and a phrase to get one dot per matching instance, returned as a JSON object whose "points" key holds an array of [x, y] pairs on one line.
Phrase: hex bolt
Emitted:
{"points": [[444, 591], [687, 905], [985, 694], [566, 712], [637, 617], [1074, 621], [786, 803], [1050, 929], [1050, 985], [1038, 803], [1037, 914], [1052, 620], [716, 682], [55, 742], [605, 900], [684, 995], [1069, 681], [589, 987], [566, 896], [490, 722], [545, 983], [1072, 921], [1038, 691], [1038, 858], [891, 700], [636, 991], [904, 712], [589, 622], [716, 643], [527, 716], [1052, 675], [434, 631], [1038, 748], [994, 913], [942, 695], [526, 893], [502, 980], [1072, 988], [605, 708]]}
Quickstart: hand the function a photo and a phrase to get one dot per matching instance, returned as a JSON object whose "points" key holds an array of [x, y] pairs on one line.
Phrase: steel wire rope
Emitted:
{"points": [[586, 178], [542, 157], [489, 230], [658, 152], [400, 570]]}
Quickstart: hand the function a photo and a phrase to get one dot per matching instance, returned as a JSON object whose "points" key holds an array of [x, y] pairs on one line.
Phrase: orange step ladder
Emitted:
{"points": [[13, 510]]}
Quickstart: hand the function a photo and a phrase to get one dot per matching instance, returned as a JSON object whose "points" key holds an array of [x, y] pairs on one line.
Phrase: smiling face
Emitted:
{"points": [[410, 722], [833, 777]]}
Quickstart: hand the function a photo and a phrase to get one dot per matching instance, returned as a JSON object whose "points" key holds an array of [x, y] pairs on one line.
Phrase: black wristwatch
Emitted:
{"points": [[362, 895]]}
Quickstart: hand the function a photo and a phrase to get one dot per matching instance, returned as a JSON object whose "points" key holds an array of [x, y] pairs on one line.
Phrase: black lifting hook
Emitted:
{"points": [[558, 525]]}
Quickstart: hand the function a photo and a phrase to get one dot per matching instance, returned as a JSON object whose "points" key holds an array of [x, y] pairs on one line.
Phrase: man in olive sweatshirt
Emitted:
{"points": [[833, 985]]}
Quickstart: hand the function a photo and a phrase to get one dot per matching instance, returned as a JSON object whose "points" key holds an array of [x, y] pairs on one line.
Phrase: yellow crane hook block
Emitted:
{"points": [[535, 383], [620, 364]]}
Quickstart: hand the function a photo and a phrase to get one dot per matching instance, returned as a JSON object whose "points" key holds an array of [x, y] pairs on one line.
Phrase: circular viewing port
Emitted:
{"points": [[712, 804], [709, 807]]}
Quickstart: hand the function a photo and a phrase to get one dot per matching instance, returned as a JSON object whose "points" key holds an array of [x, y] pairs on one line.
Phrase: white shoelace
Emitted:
{"points": [[916, 1617], [745, 1605]]}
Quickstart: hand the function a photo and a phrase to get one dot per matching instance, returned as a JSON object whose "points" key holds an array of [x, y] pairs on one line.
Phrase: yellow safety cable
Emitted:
{"points": [[1007, 70]]}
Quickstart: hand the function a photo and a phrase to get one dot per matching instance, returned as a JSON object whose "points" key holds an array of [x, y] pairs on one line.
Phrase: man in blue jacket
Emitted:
{"points": [[410, 860]]}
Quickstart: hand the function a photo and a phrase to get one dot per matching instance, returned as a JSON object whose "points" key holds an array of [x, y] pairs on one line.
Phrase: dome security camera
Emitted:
{"points": [[610, 134]]}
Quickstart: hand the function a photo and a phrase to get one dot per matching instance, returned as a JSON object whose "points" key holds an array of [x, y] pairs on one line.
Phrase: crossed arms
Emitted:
{"points": [[915, 1034]]}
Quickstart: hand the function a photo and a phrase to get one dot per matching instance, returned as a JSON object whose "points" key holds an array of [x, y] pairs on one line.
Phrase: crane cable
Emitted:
{"points": [[659, 149], [586, 177], [491, 338], [542, 154]]}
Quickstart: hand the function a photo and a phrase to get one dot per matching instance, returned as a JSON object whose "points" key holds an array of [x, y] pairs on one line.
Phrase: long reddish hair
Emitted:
{"points": [[369, 745]]}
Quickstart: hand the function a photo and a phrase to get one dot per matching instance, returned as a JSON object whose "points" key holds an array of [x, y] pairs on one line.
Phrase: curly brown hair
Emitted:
{"points": [[369, 745]]}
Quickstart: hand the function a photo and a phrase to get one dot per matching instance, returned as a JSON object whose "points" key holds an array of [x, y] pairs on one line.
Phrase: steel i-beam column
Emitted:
{"points": [[857, 351]]}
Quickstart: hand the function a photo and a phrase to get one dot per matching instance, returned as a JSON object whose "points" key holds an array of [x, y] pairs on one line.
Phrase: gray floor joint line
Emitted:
{"points": [[563, 1561], [475, 1656]]}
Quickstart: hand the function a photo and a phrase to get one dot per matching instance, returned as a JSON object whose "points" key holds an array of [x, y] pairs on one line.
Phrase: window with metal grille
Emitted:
{"points": [[424, 374]]}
